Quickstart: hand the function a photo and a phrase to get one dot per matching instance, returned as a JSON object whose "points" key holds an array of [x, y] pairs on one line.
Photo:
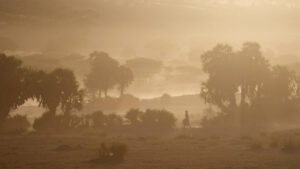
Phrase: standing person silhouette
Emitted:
{"points": [[186, 120]]}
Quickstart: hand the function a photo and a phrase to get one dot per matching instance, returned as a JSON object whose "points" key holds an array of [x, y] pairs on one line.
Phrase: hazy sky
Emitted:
{"points": [[174, 32]]}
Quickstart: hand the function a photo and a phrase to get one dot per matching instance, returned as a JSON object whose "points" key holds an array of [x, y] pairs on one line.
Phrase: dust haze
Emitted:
{"points": [[149, 83]]}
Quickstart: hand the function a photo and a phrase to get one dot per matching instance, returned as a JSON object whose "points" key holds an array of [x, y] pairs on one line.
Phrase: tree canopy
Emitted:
{"points": [[11, 86], [105, 74], [18, 84], [243, 81]]}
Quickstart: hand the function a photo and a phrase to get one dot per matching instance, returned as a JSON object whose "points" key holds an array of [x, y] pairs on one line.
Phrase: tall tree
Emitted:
{"points": [[222, 84], [103, 75], [233, 75], [125, 78], [60, 88], [253, 71], [11, 85]]}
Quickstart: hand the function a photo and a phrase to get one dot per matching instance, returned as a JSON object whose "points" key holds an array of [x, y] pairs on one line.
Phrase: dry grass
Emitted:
{"points": [[36, 152]]}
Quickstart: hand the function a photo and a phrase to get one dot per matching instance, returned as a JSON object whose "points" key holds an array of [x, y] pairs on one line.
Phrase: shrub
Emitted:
{"points": [[113, 120], [16, 124], [45, 122], [112, 153], [158, 118], [98, 119], [133, 116]]}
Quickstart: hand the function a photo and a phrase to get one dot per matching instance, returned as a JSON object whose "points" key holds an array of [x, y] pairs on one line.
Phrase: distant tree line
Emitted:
{"points": [[134, 119]]}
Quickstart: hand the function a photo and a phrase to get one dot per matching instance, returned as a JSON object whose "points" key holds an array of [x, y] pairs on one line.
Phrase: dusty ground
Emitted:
{"points": [[178, 151]]}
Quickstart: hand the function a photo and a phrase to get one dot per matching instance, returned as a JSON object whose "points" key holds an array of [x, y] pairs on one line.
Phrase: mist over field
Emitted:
{"points": [[175, 33], [150, 84]]}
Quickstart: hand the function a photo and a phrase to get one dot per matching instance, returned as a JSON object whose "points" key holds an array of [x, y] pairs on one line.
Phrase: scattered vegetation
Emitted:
{"points": [[15, 125]]}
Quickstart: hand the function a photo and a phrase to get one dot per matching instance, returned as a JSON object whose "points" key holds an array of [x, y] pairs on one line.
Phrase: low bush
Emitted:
{"points": [[112, 153], [16, 125]]}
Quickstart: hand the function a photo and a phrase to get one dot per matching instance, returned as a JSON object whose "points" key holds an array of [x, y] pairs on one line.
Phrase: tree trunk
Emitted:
{"points": [[121, 91], [243, 96], [105, 93], [4, 112], [242, 108]]}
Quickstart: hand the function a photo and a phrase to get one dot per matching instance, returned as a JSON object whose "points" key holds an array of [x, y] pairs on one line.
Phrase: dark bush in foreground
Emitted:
{"points": [[111, 153]]}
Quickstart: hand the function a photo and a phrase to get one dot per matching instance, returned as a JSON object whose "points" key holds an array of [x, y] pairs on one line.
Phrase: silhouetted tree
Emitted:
{"points": [[103, 75], [282, 84], [125, 78], [60, 88], [222, 84], [244, 83], [280, 101], [253, 70], [98, 119], [134, 116], [11, 85], [232, 73], [57, 88], [158, 119], [113, 120]]}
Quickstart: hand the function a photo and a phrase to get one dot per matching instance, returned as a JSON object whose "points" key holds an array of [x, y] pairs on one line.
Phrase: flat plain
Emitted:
{"points": [[178, 150]]}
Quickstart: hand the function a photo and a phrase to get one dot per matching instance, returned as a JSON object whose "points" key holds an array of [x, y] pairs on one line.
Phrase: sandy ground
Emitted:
{"points": [[179, 151]]}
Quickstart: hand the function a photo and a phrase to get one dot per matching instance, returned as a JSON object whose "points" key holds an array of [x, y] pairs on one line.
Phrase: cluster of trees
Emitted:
{"points": [[243, 85], [151, 118], [106, 73], [134, 119], [58, 88], [96, 120]]}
